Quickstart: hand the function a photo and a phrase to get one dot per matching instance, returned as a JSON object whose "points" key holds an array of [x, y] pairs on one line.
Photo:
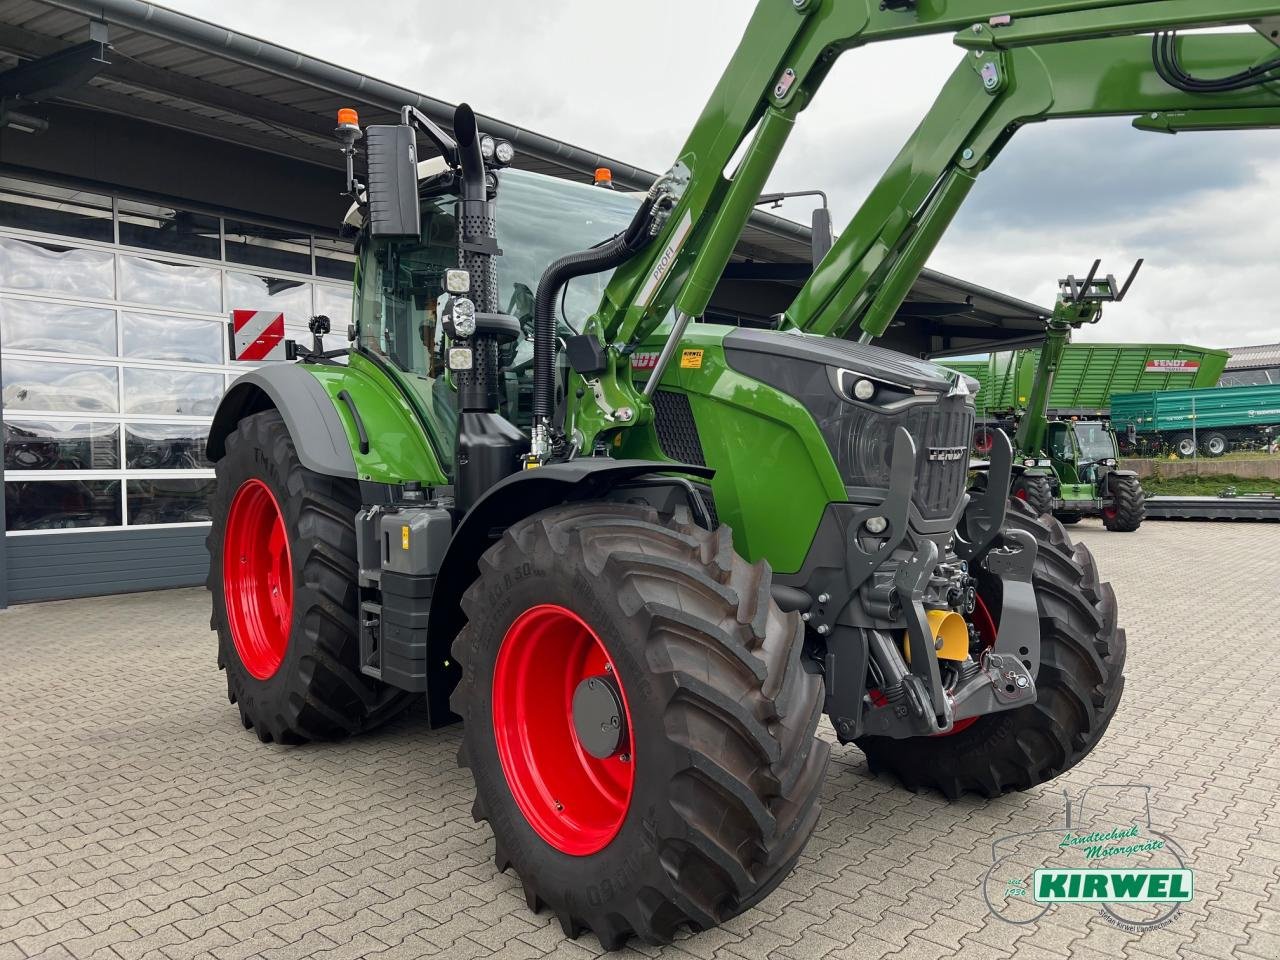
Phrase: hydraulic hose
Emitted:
{"points": [[608, 255]]}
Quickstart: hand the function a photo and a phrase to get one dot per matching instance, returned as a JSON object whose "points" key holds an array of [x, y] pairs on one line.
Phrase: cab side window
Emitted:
{"points": [[1059, 441]]}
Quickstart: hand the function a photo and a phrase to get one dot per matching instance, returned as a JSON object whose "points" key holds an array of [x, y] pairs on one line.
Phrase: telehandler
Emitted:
{"points": [[641, 585], [1067, 466]]}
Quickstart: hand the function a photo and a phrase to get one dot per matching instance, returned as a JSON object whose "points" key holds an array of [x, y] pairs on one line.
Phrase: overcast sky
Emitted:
{"points": [[627, 79]]}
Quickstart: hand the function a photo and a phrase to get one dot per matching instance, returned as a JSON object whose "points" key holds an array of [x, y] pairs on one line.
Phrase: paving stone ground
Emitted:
{"points": [[138, 819]]}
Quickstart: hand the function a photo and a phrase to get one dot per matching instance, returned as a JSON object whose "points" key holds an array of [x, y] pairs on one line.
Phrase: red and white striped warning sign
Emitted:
{"points": [[257, 335]]}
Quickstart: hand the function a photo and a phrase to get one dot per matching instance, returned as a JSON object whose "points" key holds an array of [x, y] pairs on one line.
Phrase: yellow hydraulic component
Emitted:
{"points": [[950, 636]]}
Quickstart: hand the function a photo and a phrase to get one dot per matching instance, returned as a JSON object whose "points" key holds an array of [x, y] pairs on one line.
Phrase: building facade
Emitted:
{"points": [[113, 328], [158, 172]]}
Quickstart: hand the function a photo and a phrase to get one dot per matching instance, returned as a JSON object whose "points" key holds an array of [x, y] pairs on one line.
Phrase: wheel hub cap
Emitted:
{"points": [[556, 700], [257, 579], [599, 721]]}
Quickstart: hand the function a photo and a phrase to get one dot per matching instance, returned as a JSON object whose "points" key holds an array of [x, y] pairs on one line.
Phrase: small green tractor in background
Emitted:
{"points": [[641, 585], [1068, 467]]}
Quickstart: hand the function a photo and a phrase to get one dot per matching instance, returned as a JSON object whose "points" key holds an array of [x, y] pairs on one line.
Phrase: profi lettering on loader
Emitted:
{"points": [[641, 596]]}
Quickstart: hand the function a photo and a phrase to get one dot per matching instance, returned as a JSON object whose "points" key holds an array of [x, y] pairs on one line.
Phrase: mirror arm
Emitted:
{"points": [[444, 143]]}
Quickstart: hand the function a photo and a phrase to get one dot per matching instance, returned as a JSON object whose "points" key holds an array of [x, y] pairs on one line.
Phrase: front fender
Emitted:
{"points": [[504, 504]]}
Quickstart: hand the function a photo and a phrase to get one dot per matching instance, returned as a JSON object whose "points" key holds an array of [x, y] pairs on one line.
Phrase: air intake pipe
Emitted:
{"points": [[612, 253]]}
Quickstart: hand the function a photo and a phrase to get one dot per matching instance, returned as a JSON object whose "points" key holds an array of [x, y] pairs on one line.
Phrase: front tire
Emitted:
{"points": [[283, 580], [1036, 491], [1128, 507], [1082, 654], [711, 789], [1184, 445]]}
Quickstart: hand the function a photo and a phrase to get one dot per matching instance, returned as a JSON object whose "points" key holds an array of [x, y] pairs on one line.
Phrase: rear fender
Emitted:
{"points": [[317, 431], [504, 504], [345, 421]]}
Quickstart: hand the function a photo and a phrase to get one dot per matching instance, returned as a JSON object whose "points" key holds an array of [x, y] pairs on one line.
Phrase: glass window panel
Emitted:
{"points": [[49, 209], [335, 259], [247, 291], [169, 500], [57, 327], [175, 285], [61, 445], [268, 247], [58, 504], [25, 265], [166, 446], [173, 392], [164, 228], [335, 303], [42, 385], [158, 337]]}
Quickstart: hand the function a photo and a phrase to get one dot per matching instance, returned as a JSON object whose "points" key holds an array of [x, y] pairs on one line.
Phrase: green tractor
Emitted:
{"points": [[1068, 467], [642, 557]]}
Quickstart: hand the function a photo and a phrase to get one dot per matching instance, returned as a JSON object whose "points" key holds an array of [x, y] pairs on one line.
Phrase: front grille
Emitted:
{"points": [[677, 432], [940, 483], [864, 446]]}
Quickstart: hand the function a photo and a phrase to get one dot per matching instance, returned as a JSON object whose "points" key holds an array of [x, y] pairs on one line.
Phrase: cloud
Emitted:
{"points": [[628, 80]]}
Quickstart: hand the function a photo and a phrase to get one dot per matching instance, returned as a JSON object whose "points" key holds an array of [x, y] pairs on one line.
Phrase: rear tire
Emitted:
{"points": [[309, 686], [727, 770], [1036, 491], [1079, 685], [1128, 507]]}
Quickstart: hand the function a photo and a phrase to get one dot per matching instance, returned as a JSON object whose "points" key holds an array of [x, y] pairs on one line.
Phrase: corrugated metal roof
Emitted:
{"points": [[180, 71], [1253, 357]]}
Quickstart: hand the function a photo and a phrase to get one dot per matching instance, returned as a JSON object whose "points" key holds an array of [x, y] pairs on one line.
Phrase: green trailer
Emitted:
{"points": [[1090, 374], [1211, 421]]}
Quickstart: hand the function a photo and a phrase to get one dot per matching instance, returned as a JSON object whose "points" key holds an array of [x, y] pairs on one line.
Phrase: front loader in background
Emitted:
{"points": [[641, 585], [1068, 466]]}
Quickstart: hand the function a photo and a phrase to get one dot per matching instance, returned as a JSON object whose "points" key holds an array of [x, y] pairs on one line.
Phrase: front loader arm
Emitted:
{"points": [[786, 52], [869, 271], [704, 200]]}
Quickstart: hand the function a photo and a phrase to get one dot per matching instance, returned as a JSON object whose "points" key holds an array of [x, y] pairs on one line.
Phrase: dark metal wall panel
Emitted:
{"points": [[90, 563], [157, 160]]}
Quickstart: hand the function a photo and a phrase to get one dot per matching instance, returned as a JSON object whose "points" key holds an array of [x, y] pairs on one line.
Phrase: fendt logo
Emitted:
{"points": [[945, 454]]}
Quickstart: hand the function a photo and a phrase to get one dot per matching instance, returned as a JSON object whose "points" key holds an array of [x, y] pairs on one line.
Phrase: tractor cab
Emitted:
{"points": [[400, 296], [1081, 449]]}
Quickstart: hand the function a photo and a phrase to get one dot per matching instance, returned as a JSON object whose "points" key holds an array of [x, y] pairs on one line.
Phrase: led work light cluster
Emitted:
{"points": [[460, 320], [497, 152]]}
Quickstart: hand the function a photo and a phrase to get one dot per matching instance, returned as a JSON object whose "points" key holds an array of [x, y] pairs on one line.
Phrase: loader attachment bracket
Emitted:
{"points": [[984, 516]]}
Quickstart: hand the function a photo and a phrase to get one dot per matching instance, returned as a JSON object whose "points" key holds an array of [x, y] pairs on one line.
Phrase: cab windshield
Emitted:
{"points": [[1096, 442], [399, 288]]}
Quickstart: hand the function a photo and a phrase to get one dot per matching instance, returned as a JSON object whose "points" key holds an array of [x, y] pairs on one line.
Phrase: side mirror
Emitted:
{"points": [[822, 237], [392, 151]]}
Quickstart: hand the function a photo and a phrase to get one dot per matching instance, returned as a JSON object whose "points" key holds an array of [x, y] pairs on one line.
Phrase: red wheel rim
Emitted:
{"points": [[257, 579], [1110, 513], [984, 442], [574, 801], [986, 625], [1020, 493]]}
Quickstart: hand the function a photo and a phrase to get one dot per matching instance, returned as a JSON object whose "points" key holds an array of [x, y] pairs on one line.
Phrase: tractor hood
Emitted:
{"points": [[876, 363]]}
